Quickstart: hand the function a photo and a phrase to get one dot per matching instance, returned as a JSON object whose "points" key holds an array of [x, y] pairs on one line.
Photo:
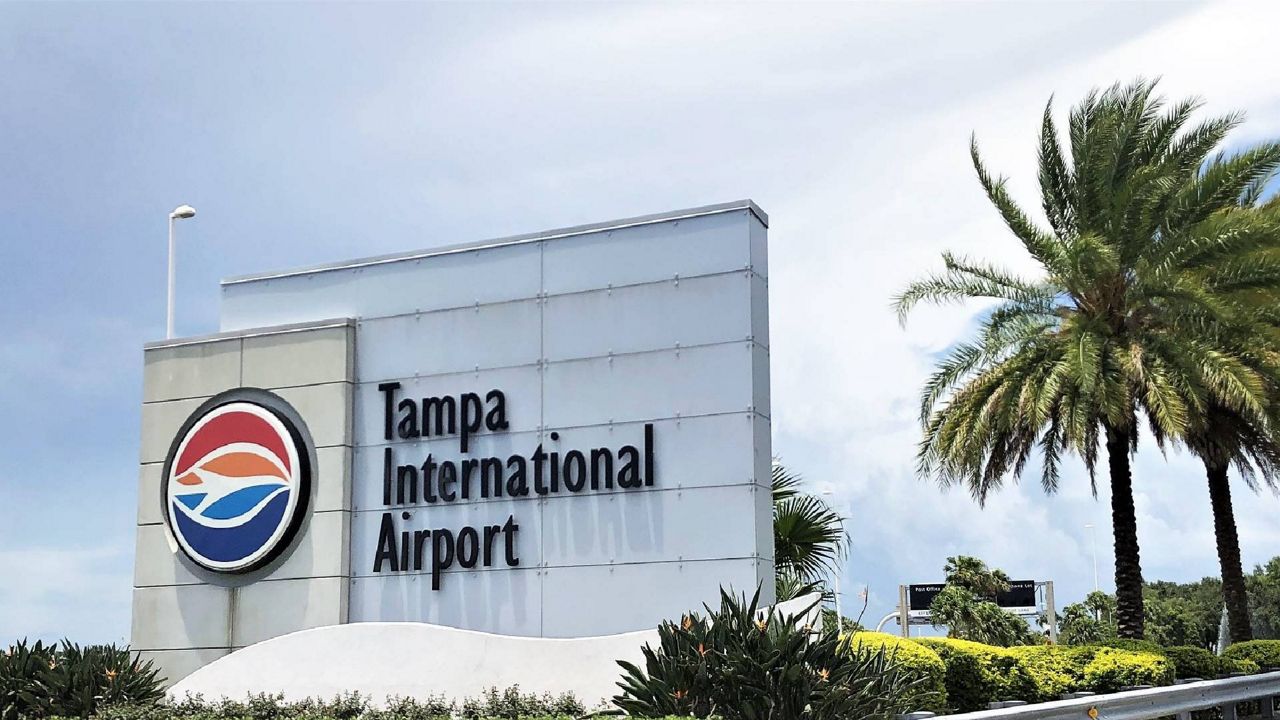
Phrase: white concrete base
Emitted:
{"points": [[384, 660]]}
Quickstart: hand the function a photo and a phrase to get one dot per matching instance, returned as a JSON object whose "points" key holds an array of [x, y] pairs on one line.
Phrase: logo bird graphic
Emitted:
{"points": [[232, 486]]}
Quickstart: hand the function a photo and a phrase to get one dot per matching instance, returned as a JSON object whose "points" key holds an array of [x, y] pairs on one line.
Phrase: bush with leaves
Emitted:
{"points": [[1266, 653], [101, 675], [741, 663], [25, 674], [979, 674], [1055, 670], [1193, 662], [1112, 669], [914, 659], [40, 681], [493, 704], [511, 703]]}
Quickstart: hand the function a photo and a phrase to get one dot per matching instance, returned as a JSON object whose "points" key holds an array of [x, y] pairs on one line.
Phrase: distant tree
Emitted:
{"points": [[966, 605], [1178, 613], [1184, 613], [1264, 599], [1091, 621], [973, 575]]}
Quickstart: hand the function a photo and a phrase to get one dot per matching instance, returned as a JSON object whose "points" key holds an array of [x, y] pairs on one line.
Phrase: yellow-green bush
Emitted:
{"points": [[1055, 670], [1226, 666], [931, 694], [1112, 669], [1266, 653], [978, 674]]}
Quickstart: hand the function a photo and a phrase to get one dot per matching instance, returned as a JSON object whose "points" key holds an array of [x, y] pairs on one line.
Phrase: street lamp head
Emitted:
{"points": [[182, 212]]}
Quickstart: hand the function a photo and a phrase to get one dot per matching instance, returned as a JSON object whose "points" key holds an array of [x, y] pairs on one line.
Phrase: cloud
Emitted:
{"points": [[846, 377], [314, 135], [55, 591]]}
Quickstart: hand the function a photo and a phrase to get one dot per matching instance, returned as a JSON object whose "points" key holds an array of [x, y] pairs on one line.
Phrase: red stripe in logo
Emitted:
{"points": [[230, 428]]}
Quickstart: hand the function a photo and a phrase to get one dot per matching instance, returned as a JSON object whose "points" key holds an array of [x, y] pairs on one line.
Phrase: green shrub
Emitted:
{"points": [[511, 703], [1055, 670], [25, 677], [1227, 666], [978, 674], [1266, 653], [1112, 669], [491, 705], [1145, 646], [39, 681], [741, 664], [923, 663], [1193, 662]]}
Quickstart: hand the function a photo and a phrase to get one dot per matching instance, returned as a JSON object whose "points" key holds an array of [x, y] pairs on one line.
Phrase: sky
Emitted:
{"points": [[313, 133]]}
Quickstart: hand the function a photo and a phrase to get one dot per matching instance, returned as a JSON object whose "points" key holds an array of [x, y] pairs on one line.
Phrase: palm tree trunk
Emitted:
{"points": [[1224, 528], [1130, 620]]}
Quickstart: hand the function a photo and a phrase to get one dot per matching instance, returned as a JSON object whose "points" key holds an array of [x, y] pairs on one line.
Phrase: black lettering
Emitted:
{"points": [[419, 544], [428, 480], [468, 547], [601, 465], [448, 477], [517, 483], [491, 472], [441, 554], [472, 415], [572, 459], [629, 475], [496, 418], [406, 475], [491, 532], [538, 457], [386, 545], [388, 390], [648, 454], [509, 532], [469, 466], [386, 476], [440, 405], [408, 427]]}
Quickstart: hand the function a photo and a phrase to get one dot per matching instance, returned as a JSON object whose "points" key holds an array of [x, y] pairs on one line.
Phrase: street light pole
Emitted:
{"points": [[180, 213], [835, 576], [1093, 540]]}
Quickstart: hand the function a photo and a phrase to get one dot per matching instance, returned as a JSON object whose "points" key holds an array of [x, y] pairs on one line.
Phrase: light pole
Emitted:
{"points": [[835, 576], [181, 212], [1093, 541]]}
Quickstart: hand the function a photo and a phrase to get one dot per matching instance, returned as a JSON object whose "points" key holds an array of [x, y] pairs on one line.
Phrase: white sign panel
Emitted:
{"points": [[560, 435]]}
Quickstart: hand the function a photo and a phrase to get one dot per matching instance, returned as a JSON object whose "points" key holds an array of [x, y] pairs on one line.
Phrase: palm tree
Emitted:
{"points": [[808, 535], [1221, 437], [1120, 324]]}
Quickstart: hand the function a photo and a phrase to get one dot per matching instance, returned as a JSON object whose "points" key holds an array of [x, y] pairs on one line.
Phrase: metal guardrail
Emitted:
{"points": [[1175, 701]]}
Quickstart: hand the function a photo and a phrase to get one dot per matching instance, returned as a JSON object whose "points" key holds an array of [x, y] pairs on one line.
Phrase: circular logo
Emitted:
{"points": [[236, 482]]}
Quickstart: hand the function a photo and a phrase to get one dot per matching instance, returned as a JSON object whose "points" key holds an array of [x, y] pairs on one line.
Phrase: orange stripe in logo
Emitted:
{"points": [[242, 464]]}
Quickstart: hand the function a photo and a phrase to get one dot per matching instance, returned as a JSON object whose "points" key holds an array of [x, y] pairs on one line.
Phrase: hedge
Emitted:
{"points": [[978, 674], [1194, 662], [1111, 669], [931, 694], [1055, 669], [1266, 653]]}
